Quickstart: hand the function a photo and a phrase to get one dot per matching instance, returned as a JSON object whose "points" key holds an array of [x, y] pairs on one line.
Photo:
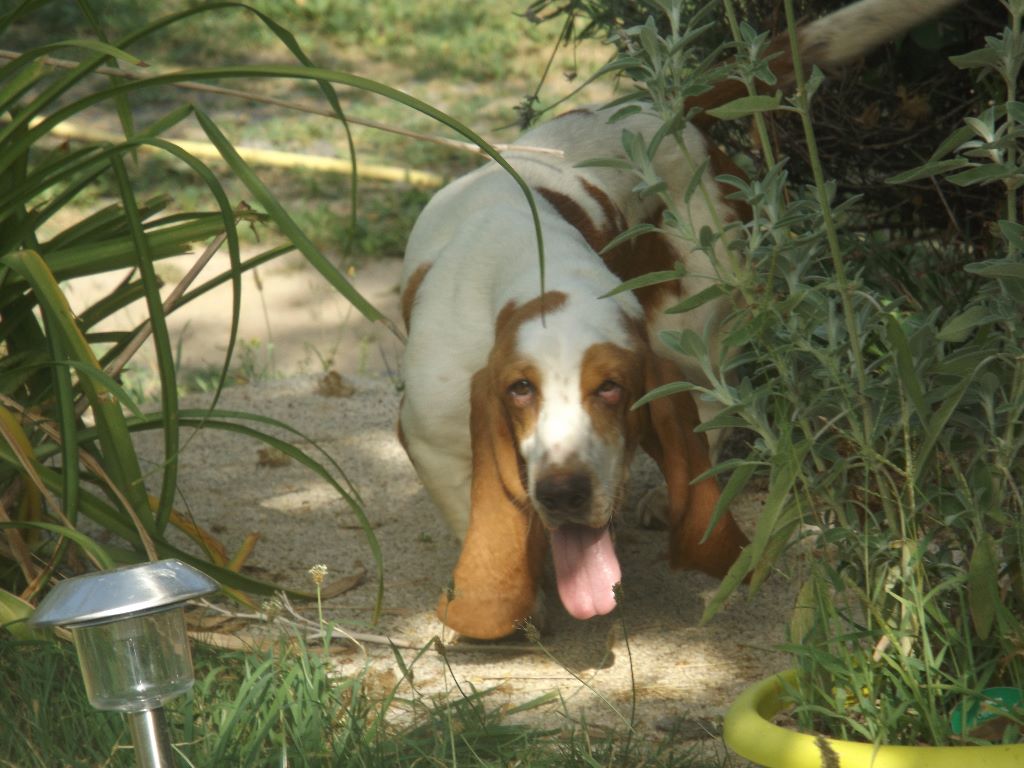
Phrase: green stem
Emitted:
{"points": [[1012, 74], [845, 288], [759, 122]]}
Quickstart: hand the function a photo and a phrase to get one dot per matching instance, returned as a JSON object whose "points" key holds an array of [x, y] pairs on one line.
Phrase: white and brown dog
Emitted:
{"points": [[517, 408]]}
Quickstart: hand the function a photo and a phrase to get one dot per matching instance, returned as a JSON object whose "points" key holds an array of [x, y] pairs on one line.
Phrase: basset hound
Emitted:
{"points": [[517, 410]]}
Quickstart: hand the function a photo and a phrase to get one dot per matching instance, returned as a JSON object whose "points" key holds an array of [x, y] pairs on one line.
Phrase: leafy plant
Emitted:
{"points": [[888, 428], [66, 423]]}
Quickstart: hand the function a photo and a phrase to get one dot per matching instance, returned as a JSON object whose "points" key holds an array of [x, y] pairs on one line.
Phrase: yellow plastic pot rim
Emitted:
{"points": [[749, 732]]}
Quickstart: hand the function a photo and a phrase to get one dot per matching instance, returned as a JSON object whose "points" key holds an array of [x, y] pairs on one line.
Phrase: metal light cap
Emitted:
{"points": [[110, 595]]}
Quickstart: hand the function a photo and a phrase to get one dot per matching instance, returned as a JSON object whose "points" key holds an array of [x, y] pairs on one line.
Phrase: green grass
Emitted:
{"points": [[477, 41], [283, 708], [474, 60]]}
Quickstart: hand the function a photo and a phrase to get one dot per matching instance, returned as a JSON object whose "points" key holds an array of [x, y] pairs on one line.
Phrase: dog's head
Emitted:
{"points": [[553, 436], [564, 381]]}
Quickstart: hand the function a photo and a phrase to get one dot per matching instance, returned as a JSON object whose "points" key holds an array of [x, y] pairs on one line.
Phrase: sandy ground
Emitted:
{"points": [[292, 321], [683, 675]]}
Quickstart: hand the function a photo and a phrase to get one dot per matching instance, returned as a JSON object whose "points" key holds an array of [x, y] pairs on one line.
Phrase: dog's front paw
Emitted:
{"points": [[482, 614], [651, 510]]}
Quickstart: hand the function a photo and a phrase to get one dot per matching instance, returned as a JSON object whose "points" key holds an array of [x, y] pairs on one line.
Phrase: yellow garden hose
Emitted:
{"points": [[269, 157]]}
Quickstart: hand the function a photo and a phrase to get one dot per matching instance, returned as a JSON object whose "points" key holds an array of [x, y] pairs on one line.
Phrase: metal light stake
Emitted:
{"points": [[129, 630]]}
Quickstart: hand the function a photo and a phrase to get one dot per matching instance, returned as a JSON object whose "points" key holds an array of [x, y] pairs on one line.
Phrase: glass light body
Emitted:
{"points": [[137, 662]]}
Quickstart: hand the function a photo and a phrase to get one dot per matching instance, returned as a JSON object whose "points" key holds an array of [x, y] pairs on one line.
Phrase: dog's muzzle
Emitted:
{"points": [[565, 498]]}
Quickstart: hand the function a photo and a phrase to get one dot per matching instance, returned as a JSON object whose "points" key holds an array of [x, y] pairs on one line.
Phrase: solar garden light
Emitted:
{"points": [[128, 626]]}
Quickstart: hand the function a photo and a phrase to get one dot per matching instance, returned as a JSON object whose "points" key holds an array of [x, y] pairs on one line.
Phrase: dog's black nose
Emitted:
{"points": [[564, 493]]}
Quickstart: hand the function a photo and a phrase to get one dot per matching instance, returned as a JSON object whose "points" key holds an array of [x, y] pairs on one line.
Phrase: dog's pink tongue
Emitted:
{"points": [[586, 568]]}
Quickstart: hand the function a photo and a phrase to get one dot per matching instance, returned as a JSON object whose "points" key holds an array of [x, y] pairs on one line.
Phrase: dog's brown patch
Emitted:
{"points": [[596, 237], [412, 287], [615, 222], [646, 253], [400, 431], [610, 362], [780, 62], [513, 315], [722, 164], [506, 365]]}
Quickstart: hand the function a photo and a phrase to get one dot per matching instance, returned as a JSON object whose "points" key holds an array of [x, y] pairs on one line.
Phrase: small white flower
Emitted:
{"points": [[318, 573]]}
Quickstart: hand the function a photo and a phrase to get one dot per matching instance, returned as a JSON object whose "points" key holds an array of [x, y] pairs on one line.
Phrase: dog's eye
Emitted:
{"points": [[521, 392], [610, 392]]}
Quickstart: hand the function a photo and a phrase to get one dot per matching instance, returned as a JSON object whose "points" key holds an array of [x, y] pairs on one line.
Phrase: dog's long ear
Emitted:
{"points": [[495, 580], [668, 437]]}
